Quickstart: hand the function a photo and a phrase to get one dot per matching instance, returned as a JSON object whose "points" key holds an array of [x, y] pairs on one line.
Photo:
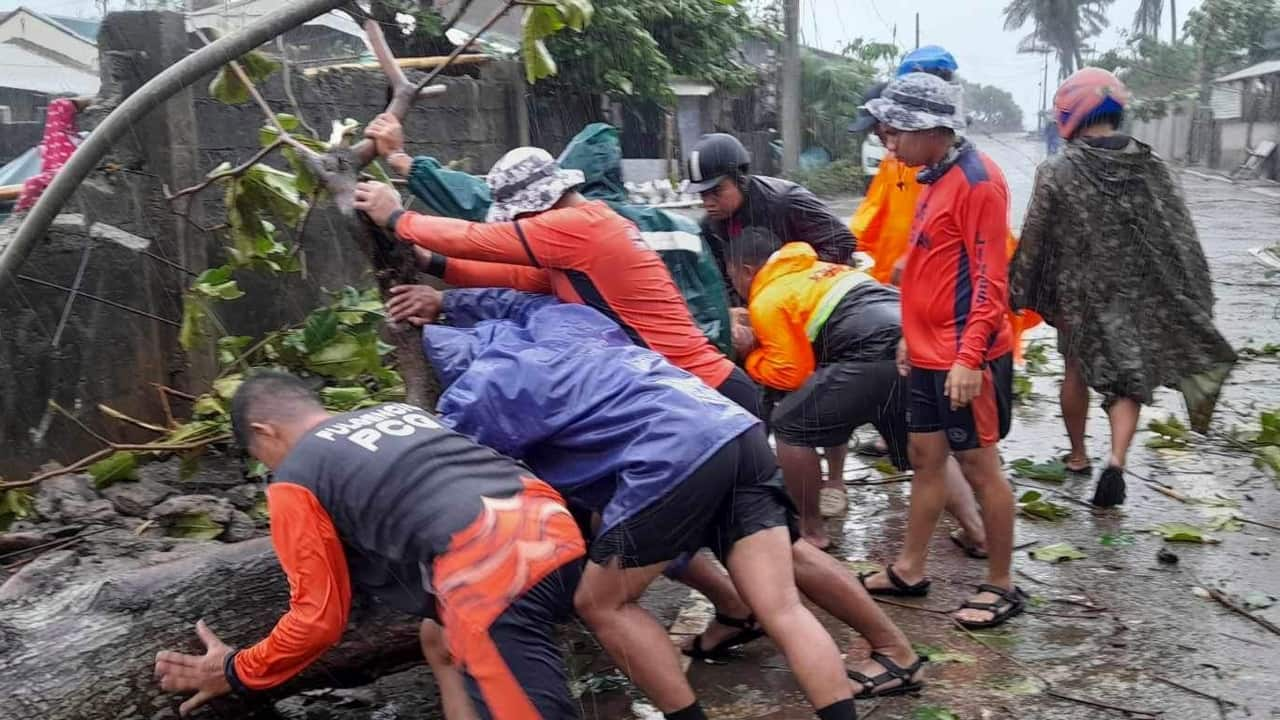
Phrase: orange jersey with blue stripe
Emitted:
{"points": [[955, 288]]}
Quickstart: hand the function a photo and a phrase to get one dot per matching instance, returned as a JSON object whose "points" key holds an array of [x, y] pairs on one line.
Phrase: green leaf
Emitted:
{"points": [[231, 347], [226, 86], [217, 283], [343, 399], [257, 470], [1036, 357], [226, 387], [885, 467], [287, 121], [188, 466], [260, 509], [15, 504], [1033, 504], [1183, 532], [1117, 540], [1059, 552], [1270, 433], [1170, 429], [1268, 458], [208, 405], [942, 655], [1226, 521], [197, 430], [320, 329], [933, 712], [1022, 388], [195, 313], [118, 466], [862, 567], [1051, 471], [194, 526]]}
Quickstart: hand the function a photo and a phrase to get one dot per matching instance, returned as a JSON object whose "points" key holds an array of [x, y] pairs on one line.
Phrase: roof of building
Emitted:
{"points": [[80, 28], [1268, 67], [41, 73]]}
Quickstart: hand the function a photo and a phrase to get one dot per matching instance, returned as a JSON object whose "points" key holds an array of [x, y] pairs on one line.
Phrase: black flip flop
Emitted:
{"points": [[1009, 604], [969, 548], [748, 631], [900, 587], [892, 671]]}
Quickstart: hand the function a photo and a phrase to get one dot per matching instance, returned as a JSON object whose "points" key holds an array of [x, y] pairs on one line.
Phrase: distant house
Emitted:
{"points": [[1246, 111], [43, 57]]}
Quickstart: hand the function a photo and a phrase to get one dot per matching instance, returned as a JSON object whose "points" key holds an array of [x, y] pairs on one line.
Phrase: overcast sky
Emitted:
{"points": [[973, 30]]}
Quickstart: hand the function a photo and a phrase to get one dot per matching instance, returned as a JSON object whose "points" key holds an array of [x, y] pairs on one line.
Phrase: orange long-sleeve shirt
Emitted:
{"points": [[586, 254], [311, 554], [955, 288]]}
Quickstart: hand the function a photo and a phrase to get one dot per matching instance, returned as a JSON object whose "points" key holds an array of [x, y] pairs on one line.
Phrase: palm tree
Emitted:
{"points": [[1061, 26], [1146, 21]]}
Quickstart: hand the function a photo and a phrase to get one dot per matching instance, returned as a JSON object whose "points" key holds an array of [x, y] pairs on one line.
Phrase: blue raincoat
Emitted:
{"points": [[611, 425]]}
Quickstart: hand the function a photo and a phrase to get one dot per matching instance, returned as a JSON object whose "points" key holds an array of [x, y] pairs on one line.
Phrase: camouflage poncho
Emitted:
{"points": [[1109, 256]]}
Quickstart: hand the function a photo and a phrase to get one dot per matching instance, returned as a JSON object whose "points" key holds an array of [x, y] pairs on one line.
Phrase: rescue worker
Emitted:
{"points": [[957, 346], [734, 200], [668, 464], [1128, 289], [825, 338], [387, 501]]}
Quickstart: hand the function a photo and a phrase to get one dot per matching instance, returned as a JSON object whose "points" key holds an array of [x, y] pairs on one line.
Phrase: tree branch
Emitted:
{"points": [[288, 87], [493, 20], [236, 171], [463, 7]]}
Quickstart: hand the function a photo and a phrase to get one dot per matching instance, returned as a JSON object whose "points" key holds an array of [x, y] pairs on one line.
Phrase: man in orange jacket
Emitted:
{"points": [[823, 336]]}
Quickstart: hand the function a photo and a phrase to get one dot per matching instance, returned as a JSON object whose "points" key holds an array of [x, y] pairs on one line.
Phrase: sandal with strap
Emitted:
{"points": [[1086, 469], [900, 587], [962, 541], [748, 631], [1010, 603], [892, 671]]}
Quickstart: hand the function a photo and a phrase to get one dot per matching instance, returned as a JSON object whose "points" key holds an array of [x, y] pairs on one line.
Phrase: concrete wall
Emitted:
{"points": [[93, 353], [17, 138], [1234, 138], [24, 105], [1169, 135]]}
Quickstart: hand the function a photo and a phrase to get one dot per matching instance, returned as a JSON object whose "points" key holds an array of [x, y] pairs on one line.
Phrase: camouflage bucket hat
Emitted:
{"points": [[918, 101], [527, 180]]}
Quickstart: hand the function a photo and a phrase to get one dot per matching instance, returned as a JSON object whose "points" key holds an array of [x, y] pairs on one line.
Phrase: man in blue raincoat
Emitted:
{"points": [[621, 432]]}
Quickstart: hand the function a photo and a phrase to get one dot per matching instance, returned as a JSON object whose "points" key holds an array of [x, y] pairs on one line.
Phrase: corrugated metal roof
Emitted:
{"points": [[86, 28], [1268, 67], [25, 70]]}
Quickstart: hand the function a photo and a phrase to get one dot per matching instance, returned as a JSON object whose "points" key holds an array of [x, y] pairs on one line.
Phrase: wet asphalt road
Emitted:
{"points": [[1105, 634]]}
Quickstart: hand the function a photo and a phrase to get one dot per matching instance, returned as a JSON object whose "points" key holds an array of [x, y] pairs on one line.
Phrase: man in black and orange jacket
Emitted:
{"points": [[388, 501]]}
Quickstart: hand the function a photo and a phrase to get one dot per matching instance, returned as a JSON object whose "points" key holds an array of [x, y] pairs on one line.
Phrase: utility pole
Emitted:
{"points": [[1044, 92], [791, 87], [917, 31]]}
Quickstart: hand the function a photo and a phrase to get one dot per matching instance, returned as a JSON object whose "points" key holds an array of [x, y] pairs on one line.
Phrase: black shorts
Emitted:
{"points": [[839, 398], [982, 424], [522, 664], [736, 492], [739, 388]]}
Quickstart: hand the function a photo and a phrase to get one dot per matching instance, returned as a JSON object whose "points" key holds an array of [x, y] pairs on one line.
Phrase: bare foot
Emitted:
{"points": [[1077, 463], [978, 616]]}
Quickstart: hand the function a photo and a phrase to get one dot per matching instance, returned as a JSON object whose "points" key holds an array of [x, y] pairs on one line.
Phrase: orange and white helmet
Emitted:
{"points": [[1087, 94]]}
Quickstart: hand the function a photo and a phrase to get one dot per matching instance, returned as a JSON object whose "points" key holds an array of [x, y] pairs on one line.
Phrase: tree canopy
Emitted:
{"points": [[992, 109], [1062, 27]]}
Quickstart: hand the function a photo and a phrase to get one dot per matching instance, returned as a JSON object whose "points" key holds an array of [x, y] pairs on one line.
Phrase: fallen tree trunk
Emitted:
{"points": [[87, 651]]}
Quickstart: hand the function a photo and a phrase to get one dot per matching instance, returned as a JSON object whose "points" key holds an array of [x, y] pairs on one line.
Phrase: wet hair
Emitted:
{"points": [[947, 75], [752, 248], [269, 396]]}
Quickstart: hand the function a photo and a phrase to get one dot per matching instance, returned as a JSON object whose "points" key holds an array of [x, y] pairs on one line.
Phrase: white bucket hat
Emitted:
{"points": [[527, 180]]}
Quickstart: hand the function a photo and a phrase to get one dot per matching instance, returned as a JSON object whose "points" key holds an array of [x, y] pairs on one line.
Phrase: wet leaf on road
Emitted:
{"points": [[1117, 540], [1183, 532], [886, 467], [1257, 601], [1033, 504], [1058, 552], [1172, 433], [933, 712], [1050, 471], [864, 566], [1226, 521], [942, 655]]}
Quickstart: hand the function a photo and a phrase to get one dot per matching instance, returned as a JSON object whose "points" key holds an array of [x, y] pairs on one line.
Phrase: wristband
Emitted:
{"points": [[392, 220], [229, 671]]}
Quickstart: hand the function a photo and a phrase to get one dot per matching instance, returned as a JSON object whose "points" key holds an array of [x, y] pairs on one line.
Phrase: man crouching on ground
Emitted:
{"points": [[388, 499]]}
